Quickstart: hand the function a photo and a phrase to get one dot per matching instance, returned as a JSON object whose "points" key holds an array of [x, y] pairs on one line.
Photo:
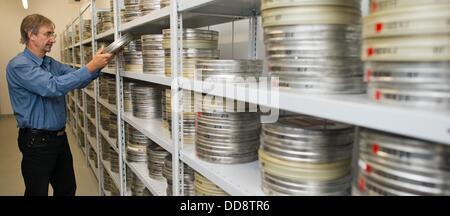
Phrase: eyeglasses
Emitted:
{"points": [[50, 35]]}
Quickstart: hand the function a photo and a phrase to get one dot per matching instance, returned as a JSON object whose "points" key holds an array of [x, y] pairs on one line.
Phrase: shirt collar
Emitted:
{"points": [[35, 58]]}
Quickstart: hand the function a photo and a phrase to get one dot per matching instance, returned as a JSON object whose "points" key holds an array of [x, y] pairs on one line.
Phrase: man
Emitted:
{"points": [[37, 87]]}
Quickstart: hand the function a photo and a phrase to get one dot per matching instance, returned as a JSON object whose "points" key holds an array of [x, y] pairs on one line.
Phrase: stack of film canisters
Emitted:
{"points": [[394, 165], [306, 156], [406, 50], [313, 46]]}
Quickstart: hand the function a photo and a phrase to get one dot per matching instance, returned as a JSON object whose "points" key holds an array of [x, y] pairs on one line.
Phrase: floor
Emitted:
{"points": [[11, 182]]}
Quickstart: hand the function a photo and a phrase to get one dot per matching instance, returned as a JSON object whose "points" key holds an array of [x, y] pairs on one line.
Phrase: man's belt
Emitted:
{"points": [[60, 132]]}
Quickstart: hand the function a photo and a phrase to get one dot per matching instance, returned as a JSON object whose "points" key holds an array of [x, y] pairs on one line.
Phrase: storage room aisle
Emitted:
{"points": [[11, 182]]}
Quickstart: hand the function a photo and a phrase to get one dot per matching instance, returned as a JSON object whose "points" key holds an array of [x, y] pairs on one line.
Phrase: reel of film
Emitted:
{"points": [[302, 155], [146, 99], [137, 145], [313, 46], [114, 159], [413, 84], [197, 45], [112, 130], [165, 3], [188, 175], [230, 71], [427, 19], [153, 54], [188, 114], [127, 95], [204, 187], [226, 137], [418, 48], [407, 53], [118, 44], [391, 164], [388, 5], [105, 149], [132, 10], [156, 157], [132, 55], [137, 187], [147, 6], [104, 21]]}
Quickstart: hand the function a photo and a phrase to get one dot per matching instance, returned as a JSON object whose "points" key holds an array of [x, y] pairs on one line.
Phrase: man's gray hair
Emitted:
{"points": [[32, 23]]}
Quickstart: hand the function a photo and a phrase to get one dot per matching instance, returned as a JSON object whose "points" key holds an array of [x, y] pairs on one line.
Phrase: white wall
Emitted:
{"points": [[61, 12], [11, 15]]}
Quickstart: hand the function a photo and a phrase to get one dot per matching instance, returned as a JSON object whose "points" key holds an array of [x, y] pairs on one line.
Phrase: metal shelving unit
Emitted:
{"points": [[105, 35], [240, 179], [92, 141], [351, 109], [162, 80], [94, 170], [90, 93], [153, 129], [156, 187], [109, 71], [108, 139], [114, 176], [109, 106]]}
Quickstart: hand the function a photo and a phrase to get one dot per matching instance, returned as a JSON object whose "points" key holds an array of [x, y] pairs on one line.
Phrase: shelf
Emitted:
{"points": [[79, 125], [94, 170], [109, 71], [74, 115], [159, 79], [89, 92], [93, 143], [352, 109], [150, 23], [72, 127], [153, 129], [114, 176], [112, 142], [107, 193], [228, 7], [156, 187], [109, 106], [87, 41], [92, 120], [80, 108], [237, 180], [200, 13], [107, 35]]}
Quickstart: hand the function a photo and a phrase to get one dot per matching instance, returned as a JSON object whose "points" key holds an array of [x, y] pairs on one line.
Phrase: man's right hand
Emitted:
{"points": [[99, 61]]}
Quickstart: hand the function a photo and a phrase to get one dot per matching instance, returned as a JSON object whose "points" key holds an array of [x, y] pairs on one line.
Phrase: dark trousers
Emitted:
{"points": [[46, 160]]}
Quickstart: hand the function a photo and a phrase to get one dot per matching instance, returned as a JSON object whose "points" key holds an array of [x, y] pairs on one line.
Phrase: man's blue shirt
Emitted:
{"points": [[37, 88]]}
